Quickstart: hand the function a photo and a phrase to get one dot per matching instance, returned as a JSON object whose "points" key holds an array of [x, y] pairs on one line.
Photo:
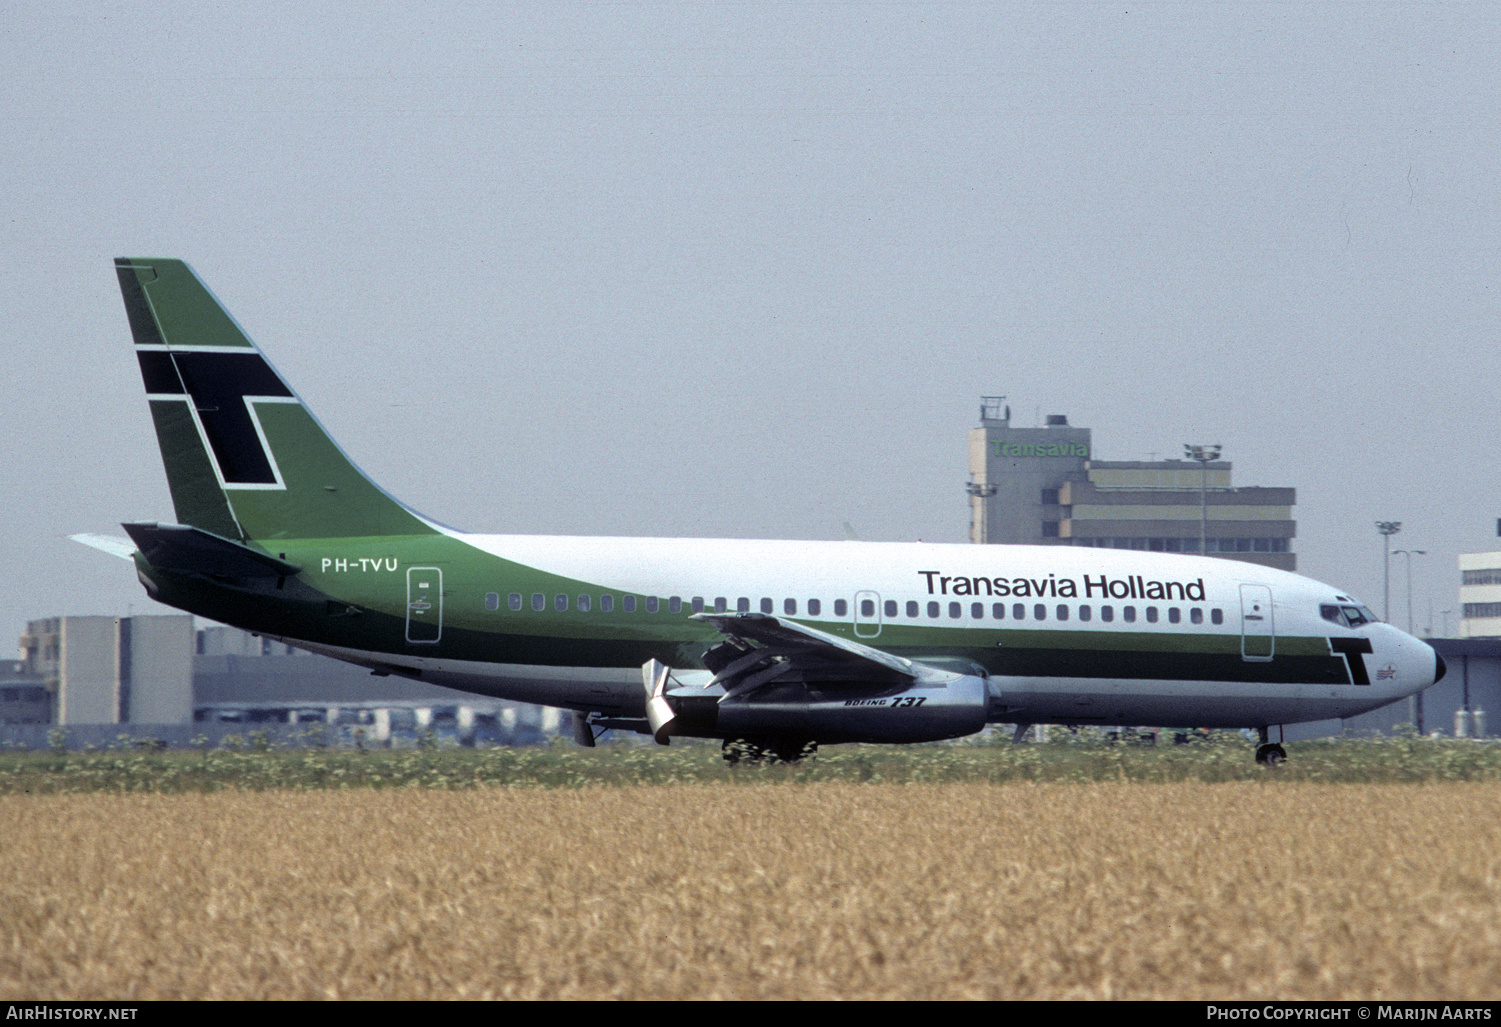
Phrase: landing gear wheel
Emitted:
{"points": [[1271, 755], [794, 750], [742, 750], [767, 750]]}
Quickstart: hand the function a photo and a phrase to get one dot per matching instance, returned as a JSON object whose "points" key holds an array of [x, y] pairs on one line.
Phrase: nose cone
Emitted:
{"points": [[1440, 668]]}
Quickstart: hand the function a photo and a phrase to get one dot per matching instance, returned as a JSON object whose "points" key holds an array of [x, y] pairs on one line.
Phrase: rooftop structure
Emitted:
{"points": [[1042, 486]]}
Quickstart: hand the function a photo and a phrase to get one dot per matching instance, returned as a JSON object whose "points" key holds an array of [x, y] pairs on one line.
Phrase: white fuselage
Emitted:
{"points": [[1263, 652]]}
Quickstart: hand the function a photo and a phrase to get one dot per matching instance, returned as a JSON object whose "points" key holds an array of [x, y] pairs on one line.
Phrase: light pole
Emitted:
{"points": [[1203, 455], [1409, 553], [1387, 529]]}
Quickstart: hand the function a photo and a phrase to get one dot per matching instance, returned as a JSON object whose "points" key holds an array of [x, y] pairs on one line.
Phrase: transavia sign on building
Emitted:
{"points": [[1069, 449]]}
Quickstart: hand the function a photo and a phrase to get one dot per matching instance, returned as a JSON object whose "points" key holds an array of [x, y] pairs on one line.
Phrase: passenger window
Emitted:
{"points": [[492, 600], [1173, 615], [1196, 615], [1018, 611], [1128, 614], [721, 604], [789, 607], [1216, 616], [815, 607], [977, 611], [911, 608], [1107, 614], [841, 608], [1084, 613], [767, 606], [1039, 612], [867, 607], [560, 603], [606, 604], [539, 602], [890, 607], [933, 610], [998, 611], [1151, 615], [515, 600], [1062, 611], [584, 604]]}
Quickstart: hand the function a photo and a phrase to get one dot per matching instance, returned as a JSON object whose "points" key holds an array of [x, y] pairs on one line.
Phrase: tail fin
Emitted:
{"points": [[245, 459]]}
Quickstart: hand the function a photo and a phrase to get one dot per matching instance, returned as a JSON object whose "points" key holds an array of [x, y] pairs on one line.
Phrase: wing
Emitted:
{"points": [[855, 693], [761, 648]]}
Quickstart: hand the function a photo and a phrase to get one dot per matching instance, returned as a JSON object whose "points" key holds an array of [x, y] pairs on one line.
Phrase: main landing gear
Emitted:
{"points": [[768, 750], [1270, 754]]}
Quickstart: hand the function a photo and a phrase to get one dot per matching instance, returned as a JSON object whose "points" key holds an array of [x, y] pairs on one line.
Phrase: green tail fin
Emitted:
{"points": [[245, 459]]}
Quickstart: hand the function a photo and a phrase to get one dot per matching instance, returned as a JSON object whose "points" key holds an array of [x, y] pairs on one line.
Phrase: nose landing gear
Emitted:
{"points": [[1271, 755]]}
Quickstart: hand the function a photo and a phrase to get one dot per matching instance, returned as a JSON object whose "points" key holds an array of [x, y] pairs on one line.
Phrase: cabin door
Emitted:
{"points": [[424, 605], [1258, 634]]}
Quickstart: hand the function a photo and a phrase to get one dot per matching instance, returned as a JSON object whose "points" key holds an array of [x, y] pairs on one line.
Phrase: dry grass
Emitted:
{"points": [[1256, 890]]}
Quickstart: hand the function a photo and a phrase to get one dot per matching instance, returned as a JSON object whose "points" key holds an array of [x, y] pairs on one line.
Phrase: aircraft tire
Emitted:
{"points": [[1271, 755], [794, 750], [767, 750]]}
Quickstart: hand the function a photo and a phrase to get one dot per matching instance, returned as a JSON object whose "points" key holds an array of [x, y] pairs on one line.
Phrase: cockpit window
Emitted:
{"points": [[1347, 616]]}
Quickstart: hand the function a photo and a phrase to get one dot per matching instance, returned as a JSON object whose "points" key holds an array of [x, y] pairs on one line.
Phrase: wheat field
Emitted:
{"points": [[1279, 889]]}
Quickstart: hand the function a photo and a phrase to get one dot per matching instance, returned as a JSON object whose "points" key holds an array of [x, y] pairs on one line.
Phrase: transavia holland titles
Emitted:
{"points": [[1133, 586]]}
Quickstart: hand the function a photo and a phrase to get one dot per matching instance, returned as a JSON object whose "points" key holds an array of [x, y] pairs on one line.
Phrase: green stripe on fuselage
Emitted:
{"points": [[353, 593]]}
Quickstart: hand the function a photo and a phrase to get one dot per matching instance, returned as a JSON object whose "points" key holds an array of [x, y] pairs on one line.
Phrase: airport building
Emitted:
{"points": [[113, 670], [97, 675], [24, 698], [1042, 486], [1480, 595]]}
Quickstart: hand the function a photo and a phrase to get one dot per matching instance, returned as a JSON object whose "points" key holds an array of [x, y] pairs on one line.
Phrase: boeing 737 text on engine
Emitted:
{"points": [[777, 645]]}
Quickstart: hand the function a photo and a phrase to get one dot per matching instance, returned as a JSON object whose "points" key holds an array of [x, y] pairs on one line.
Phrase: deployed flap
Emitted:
{"points": [[180, 547], [812, 654]]}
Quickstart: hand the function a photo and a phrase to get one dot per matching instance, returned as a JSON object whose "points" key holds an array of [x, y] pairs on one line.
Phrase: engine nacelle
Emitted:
{"points": [[940, 705]]}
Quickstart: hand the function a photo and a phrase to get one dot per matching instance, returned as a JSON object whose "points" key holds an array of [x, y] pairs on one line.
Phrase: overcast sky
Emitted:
{"points": [[744, 269]]}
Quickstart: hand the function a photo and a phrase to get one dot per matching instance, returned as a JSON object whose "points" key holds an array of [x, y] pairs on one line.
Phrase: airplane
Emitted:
{"points": [[773, 647]]}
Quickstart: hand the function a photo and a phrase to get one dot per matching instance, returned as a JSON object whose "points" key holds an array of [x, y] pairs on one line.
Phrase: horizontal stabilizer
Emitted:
{"points": [[180, 547], [114, 545]]}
